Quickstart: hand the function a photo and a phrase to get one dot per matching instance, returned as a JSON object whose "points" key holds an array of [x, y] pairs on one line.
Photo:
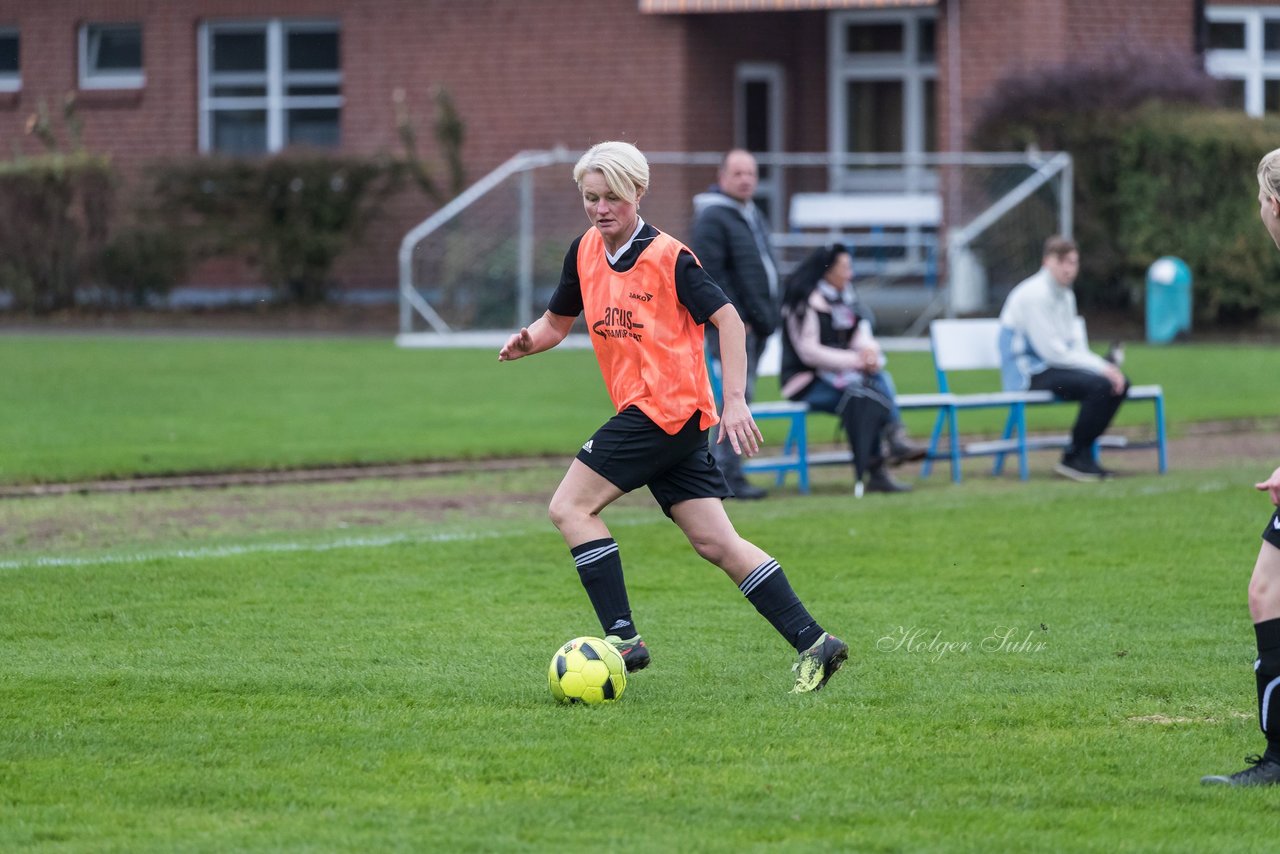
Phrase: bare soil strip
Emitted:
{"points": [[1203, 446], [323, 474]]}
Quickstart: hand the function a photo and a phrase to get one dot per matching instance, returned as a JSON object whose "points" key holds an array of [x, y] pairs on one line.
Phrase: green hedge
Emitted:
{"points": [[66, 239], [1186, 185], [1159, 170], [54, 214], [1168, 179], [291, 215]]}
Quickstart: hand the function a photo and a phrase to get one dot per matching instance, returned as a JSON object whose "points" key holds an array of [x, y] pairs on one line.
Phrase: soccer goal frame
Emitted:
{"points": [[944, 237]]}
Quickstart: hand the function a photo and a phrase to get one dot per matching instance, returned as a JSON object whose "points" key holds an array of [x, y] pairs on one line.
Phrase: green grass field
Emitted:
{"points": [[1041, 666], [1034, 666], [85, 407]]}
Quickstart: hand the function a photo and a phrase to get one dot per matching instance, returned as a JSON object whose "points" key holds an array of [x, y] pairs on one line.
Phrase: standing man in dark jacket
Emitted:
{"points": [[731, 239]]}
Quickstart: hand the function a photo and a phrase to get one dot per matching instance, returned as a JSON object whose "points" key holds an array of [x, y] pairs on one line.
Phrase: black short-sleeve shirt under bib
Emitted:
{"points": [[695, 289]]}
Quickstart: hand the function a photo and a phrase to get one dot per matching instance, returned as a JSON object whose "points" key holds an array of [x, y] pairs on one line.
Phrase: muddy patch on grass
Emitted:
{"points": [[80, 522], [424, 498]]}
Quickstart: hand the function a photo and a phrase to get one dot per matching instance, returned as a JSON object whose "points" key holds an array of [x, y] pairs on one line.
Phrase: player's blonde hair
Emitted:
{"points": [[625, 169], [1269, 174]]}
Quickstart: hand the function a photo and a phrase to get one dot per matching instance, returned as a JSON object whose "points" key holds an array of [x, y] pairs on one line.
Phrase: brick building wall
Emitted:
{"points": [[524, 75], [717, 43], [999, 39], [535, 74]]}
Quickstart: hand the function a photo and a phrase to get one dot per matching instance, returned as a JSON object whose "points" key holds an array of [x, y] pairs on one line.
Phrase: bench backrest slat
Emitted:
{"points": [[966, 345], [975, 345], [865, 210]]}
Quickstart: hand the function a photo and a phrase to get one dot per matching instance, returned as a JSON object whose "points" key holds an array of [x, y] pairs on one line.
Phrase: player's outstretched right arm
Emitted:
{"points": [[1271, 486], [543, 334]]}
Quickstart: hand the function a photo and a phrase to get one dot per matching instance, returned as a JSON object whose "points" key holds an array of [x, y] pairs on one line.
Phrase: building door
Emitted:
{"points": [[758, 124]]}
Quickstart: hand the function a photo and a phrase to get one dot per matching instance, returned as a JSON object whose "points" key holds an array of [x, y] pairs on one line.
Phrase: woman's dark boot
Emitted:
{"points": [[879, 480], [900, 448]]}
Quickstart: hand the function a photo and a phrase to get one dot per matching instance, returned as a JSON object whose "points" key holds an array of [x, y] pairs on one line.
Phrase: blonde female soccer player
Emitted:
{"points": [[1264, 586], [645, 298]]}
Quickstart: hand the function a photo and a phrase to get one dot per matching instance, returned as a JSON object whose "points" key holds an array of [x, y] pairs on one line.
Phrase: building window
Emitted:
{"points": [[111, 56], [883, 82], [10, 70], [1244, 51], [267, 85]]}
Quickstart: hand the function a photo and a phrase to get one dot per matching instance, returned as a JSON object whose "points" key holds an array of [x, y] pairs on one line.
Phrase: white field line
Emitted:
{"points": [[209, 552], [214, 552]]}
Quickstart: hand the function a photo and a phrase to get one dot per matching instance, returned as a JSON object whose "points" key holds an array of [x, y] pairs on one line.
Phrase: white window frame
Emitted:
{"points": [[906, 67], [276, 101], [89, 78], [772, 75], [11, 81], [1252, 64]]}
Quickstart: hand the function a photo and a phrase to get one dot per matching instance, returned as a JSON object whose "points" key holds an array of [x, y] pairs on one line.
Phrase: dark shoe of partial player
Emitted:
{"points": [[1080, 468], [819, 663], [879, 480], [745, 491], [1088, 463], [1261, 772], [901, 448], [633, 651]]}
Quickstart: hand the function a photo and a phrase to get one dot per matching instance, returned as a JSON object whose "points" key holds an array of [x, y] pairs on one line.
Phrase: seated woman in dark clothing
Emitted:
{"points": [[831, 360]]}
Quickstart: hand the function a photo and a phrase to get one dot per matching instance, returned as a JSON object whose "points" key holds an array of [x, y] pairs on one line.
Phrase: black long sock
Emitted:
{"points": [[1267, 672], [600, 568], [767, 588]]}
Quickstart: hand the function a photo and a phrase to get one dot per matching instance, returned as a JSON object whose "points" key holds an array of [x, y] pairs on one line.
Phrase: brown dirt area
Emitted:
{"points": [[61, 518], [1211, 445], [251, 319], [188, 508]]}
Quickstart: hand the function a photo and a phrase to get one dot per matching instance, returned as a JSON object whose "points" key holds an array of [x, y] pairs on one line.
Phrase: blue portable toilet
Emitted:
{"points": [[1168, 299]]}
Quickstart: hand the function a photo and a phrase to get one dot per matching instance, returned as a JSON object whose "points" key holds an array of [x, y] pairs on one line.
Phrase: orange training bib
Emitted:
{"points": [[649, 347]]}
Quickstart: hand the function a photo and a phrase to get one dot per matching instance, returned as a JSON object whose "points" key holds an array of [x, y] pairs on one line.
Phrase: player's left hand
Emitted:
{"points": [[737, 424]]}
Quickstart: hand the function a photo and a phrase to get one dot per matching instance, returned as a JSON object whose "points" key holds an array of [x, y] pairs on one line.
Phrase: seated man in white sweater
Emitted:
{"points": [[1049, 354]]}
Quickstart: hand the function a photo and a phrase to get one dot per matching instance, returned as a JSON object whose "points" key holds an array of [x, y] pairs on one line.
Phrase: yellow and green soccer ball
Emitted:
{"points": [[587, 670]]}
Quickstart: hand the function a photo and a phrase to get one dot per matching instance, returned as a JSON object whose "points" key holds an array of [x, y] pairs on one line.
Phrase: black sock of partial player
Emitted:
{"points": [[767, 588], [600, 568], [1267, 672]]}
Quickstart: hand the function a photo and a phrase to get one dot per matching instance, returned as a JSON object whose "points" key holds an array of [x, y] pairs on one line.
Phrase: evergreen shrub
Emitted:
{"points": [[1160, 168]]}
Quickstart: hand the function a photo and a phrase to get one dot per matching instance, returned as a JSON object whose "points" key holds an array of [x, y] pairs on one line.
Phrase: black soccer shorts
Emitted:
{"points": [[630, 451], [1271, 533]]}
